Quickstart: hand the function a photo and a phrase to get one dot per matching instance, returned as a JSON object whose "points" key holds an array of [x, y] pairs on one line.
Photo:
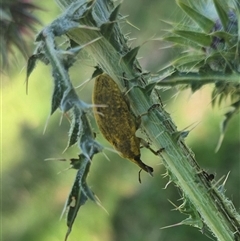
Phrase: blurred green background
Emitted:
{"points": [[34, 191]]}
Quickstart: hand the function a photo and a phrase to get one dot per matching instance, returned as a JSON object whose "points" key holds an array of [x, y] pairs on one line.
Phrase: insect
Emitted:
{"points": [[116, 122]]}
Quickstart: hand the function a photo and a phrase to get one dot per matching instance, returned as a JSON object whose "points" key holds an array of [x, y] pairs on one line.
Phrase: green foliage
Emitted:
{"points": [[211, 42]]}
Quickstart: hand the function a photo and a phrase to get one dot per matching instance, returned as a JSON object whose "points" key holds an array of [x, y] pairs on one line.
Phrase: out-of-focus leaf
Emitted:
{"points": [[202, 21], [222, 12], [202, 39], [189, 63], [182, 41], [223, 35]]}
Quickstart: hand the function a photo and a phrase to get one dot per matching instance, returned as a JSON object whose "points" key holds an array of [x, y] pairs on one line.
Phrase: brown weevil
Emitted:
{"points": [[115, 121]]}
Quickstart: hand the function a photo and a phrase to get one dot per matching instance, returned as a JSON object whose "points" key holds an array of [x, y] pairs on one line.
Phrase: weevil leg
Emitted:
{"points": [[147, 145], [139, 118]]}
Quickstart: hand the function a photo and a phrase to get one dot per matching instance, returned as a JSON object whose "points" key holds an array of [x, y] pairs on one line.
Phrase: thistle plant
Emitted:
{"points": [[94, 27]]}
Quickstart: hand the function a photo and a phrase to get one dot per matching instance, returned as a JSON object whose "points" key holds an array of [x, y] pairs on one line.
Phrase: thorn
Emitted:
{"points": [[224, 182], [139, 176], [132, 25], [100, 205], [64, 170], [67, 234], [112, 150], [174, 205], [27, 85], [65, 149], [169, 182], [83, 84], [55, 159], [221, 187], [221, 138], [159, 134], [45, 126], [97, 112], [173, 225], [105, 155], [125, 93]]}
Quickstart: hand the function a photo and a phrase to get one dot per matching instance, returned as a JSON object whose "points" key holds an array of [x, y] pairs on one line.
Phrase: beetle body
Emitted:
{"points": [[115, 121]]}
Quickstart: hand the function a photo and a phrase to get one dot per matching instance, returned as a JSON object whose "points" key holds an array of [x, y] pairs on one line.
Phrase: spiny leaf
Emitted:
{"points": [[202, 39], [58, 91], [87, 141], [77, 196], [223, 35], [202, 21], [222, 12], [194, 218], [75, 129], [69, 99], [73, 210]]}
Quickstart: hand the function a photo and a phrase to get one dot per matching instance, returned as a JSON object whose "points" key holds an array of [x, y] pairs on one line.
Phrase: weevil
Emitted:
{"points": [[115, 121]]}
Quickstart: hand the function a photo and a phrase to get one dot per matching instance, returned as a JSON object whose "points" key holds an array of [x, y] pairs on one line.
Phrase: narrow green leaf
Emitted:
{"points": [[224, 35], [181, 41], [222, 12], [202, 21], [202, 39]]}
